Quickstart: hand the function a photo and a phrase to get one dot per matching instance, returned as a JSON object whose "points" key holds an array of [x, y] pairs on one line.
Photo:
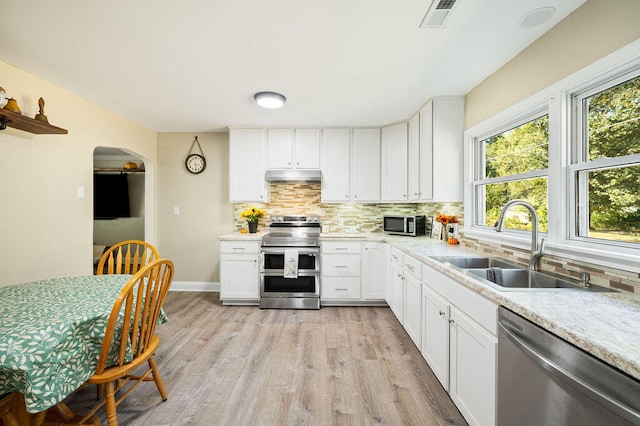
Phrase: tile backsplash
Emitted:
{"points": [[304, 199]]}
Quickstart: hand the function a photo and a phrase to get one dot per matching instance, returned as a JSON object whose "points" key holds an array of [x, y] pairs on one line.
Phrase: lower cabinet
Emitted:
{"points": [[340, 272], [373, 271], [459, 343], [396, 296], [239, 272], [412, 307], [472, 369]]}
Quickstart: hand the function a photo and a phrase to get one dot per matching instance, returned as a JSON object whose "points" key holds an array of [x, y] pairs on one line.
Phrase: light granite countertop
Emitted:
{"points": [[605, 324]]}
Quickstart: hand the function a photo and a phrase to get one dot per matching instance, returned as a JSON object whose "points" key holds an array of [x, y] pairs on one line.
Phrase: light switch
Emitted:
{"points": [[176, 211], [80, 191]]}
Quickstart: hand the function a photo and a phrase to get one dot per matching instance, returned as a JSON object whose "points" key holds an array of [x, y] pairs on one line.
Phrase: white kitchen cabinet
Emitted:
{"points": [[306, 149], [469, 372], [414, 158], [397, 291], [279, 148], [293, 149], [373, 271], [413, 307], [472, 369], [335, 165], [394, 168], [387, 274], [441, 150], [239, 275], [435, 334], [247, 150], [365, 165], [340, 271], [350, 165]]}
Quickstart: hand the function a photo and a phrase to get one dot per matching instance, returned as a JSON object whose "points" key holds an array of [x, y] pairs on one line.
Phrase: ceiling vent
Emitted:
{"points": [[437, 13]]}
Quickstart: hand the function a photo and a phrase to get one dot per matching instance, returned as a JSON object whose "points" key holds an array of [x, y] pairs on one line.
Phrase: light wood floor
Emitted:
{"points": [[246, 366]]}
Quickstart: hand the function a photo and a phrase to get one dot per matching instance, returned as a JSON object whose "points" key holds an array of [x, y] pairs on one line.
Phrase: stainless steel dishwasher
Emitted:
{"points": [[544, 380]]}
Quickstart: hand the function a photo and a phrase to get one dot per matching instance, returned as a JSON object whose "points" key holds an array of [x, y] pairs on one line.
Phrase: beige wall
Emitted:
{"points": [[191, 239], [592, 31], [45, 229]]}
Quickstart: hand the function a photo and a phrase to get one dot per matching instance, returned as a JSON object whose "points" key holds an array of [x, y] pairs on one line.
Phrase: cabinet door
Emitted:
{"points": [[394, 163], [473, 369], [246, 165], [335, 165], [448, 149], [435, 334], [387, 274], [365, 165], [239, 279], [373, 271], [306, 149], [397, 291], [414, 158], [413, 308], [426, 152], [279, 148]]}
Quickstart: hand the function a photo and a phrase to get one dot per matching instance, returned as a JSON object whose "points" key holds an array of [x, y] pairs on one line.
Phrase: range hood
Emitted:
{"points": [[293, 175]]}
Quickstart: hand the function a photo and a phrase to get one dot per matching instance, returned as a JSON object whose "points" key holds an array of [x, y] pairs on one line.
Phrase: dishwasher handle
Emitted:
{"points": [[571, 379]]}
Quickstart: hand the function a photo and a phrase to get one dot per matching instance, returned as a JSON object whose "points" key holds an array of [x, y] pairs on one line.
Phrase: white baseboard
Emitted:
{"points": [[195, 286]]}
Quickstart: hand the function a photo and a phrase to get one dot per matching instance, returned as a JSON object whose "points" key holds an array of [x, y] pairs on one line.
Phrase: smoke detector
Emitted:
{"points": [[437, 13]]}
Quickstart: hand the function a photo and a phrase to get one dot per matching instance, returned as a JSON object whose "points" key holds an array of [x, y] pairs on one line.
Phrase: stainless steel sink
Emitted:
{"points": [[475, 262], [504, 275], [527, 279]]}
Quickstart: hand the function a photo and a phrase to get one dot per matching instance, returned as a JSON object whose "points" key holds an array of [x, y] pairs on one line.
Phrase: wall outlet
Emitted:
{"points": [[176, 211]]}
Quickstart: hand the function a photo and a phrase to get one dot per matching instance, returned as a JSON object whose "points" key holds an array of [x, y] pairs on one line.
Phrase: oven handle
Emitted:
{"points": [[303, 250], [567, 377]]}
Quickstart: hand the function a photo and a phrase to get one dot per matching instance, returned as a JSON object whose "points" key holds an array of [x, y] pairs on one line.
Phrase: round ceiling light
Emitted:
{"points": [[271, 100], [537, 17]]}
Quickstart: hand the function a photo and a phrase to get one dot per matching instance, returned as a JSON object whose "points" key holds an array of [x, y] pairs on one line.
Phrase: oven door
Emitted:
{"points": [[273, 284]]}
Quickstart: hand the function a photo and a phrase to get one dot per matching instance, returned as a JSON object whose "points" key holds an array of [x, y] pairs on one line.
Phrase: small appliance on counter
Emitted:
{"points": [[413, 226]]}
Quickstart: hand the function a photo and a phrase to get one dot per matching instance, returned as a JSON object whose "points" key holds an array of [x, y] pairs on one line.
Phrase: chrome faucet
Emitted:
{"points": [[536, 251]]}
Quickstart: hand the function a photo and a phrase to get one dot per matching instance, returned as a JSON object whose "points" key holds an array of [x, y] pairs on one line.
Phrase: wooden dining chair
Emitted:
{"points": [[130, 334], [7, 417], [126, 257]]}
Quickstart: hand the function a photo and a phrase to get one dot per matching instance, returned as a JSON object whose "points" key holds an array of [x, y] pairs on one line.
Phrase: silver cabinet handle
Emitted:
{"points": [[342, 289], [441, 313], [341, 266], [342, 248], [239, 248], [410, 267], [451, 321]]}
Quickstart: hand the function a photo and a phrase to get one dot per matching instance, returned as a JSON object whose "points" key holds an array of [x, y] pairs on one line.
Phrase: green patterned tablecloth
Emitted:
{"points": [[51, 333]]}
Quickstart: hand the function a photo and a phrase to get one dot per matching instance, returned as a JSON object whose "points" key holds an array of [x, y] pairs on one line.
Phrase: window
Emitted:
{"points": [[512, 164], [606, 162]]}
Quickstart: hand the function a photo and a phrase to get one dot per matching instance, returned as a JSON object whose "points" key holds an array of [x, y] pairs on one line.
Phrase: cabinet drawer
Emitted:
{"points": [[412, 265], [341, 265], [396, 255], [340, 247], [239, 247], [340, 288]]}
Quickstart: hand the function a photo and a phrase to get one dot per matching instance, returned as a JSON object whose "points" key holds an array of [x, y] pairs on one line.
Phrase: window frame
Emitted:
{"points": [[479, 169], [558, 100], [580, 163]]}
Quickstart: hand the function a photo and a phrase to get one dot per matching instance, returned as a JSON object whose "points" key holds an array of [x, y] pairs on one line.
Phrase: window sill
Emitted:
{"points": [[597, 254]]}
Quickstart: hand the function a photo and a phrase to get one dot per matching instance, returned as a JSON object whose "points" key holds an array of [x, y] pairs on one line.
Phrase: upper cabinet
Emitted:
{"points": [[247, 150], [350, 165], [336, 155], [441, 150], [365, 165], [306, 149], [293, 149], [394, 163], [414, 158]]}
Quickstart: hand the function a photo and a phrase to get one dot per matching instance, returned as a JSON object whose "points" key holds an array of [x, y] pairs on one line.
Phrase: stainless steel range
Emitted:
{"points": [[290, 263]]}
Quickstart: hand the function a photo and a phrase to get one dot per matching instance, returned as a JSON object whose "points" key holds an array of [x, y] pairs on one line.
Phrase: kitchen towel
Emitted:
{"points": [[291, 263]]}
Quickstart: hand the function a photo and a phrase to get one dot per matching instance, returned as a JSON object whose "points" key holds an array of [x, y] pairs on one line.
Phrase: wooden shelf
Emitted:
{"points": [[116, 170], [31, 125]]}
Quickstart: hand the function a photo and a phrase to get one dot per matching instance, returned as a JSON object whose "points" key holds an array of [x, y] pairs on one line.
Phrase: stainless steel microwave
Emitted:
{"points": [[405, 225]]}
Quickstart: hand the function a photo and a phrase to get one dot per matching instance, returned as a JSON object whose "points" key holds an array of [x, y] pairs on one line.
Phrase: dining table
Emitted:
{"points": [[51, 334]]}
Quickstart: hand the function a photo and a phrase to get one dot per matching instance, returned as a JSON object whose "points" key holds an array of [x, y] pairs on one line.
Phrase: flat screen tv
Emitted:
{"points": [[110, 196]]}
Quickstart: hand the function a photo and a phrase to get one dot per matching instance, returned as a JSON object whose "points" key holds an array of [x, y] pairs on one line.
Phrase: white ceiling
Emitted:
{"points": [[194, 65]]}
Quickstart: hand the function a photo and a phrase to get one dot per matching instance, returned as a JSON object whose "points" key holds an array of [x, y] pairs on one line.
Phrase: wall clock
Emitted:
{"points": [[195, 163]]}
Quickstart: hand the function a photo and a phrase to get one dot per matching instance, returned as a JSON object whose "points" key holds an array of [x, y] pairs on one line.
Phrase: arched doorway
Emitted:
{"points": [[119, 198]]}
